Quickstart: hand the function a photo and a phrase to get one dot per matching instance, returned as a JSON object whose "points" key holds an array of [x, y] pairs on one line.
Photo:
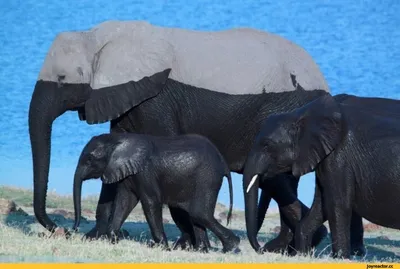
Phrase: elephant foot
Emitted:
{"points": [[202, 247], [278, 250], [113, 237], [113, 240], [319, 235], [234, 250], [276, 245], [182, 243], [123, 234], [358, 250], [232, 245], [116, 237], [291, 250], [341, 255], [93, 234], [162, 245], [59, 232]]}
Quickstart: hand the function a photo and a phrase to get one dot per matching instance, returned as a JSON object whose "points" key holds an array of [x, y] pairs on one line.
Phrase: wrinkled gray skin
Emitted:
{"points": [[133, 74], [352, 144], [184, 172]]}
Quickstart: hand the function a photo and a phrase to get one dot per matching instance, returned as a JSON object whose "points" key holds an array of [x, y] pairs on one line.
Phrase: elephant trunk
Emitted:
{"points": [[44, 108], [77, 194], [263, 205], [250, 189], [49, 100], [256, 165]]}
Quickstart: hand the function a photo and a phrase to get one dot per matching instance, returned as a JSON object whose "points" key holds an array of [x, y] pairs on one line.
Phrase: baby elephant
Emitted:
{"points": [[353, 145], [184, 172]]}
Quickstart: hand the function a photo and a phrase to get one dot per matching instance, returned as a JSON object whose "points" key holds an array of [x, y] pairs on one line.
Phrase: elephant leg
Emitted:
{"points": [[283, 240], [339, 217], [337, 197], [282, 189], [103, 211], [153, 212], [357, 235], [310, 223], [125, 201], [291, 210], [229, 240], [191, 235], [202, 214], [182, 221], [202, 241]]}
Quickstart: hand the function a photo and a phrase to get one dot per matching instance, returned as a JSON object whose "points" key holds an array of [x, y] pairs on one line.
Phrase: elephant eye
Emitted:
{"points": [[269, 145], [267, 142]]}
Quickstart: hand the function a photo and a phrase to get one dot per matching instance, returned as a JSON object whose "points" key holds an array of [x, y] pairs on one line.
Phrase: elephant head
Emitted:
{"points": [[71, 80], [110, 157], [290, 142]]}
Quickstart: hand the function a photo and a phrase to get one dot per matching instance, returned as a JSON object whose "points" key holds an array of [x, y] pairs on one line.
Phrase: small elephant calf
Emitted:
{"points": [[184, 172]]}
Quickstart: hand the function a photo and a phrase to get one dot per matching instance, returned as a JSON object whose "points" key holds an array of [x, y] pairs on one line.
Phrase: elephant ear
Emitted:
{"points": [[109, 103], [128, 158], [318, 132]]}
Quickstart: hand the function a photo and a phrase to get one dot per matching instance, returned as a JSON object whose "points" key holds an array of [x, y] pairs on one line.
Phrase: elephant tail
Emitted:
{"points": [[229, 177]]}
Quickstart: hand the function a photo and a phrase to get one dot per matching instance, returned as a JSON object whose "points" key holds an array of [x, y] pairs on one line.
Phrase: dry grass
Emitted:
{"points": [[19, 240]]}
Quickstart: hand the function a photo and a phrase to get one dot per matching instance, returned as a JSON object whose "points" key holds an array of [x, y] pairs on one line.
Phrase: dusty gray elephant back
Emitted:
{"points": [[236, 61]]}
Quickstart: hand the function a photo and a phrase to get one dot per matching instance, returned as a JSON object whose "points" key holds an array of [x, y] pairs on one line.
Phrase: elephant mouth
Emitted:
{"points": [[81, 113], [80, 108]]}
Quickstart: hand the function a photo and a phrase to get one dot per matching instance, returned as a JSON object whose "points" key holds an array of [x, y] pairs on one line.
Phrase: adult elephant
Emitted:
{"points": [[168, 81]]}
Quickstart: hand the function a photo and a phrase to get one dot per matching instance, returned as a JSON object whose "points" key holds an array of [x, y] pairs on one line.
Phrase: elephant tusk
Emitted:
{"points": [[253, 180]]}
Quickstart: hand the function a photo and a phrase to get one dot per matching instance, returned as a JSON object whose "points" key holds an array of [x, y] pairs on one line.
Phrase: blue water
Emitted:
{"points": [[356, 43]]}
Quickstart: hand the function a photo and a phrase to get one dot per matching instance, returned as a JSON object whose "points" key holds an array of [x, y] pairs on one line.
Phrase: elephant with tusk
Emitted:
{"points": [[352, 145], [156, 80]]}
